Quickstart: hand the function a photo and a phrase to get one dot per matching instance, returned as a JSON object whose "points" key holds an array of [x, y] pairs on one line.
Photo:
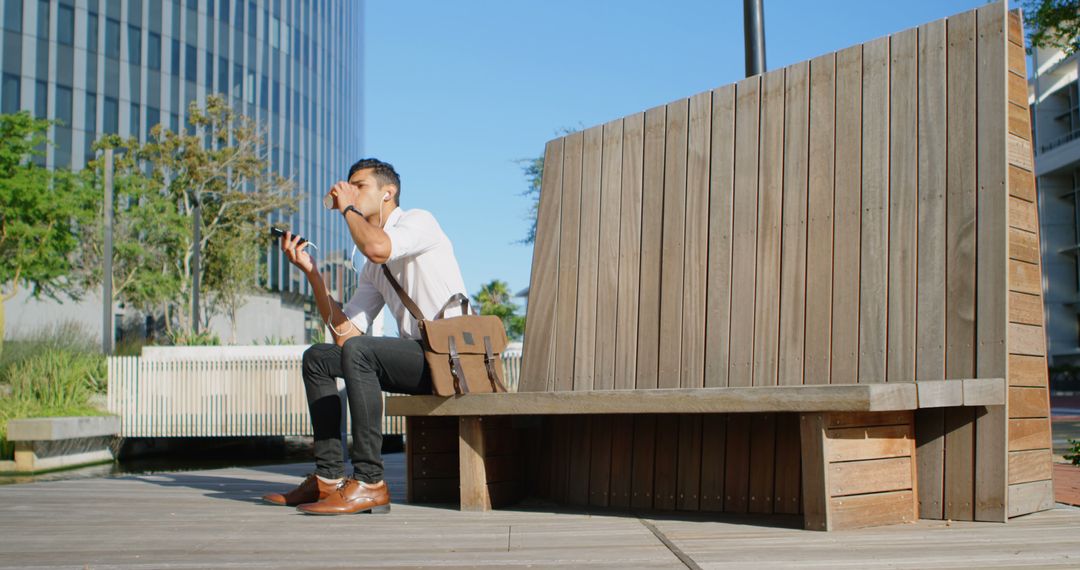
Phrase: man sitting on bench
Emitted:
{"points": [[420, 256]]}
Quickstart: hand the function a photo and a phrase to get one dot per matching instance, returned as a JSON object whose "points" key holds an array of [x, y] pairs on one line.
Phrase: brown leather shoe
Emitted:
{"points": [[312, 489], [352, 497]]}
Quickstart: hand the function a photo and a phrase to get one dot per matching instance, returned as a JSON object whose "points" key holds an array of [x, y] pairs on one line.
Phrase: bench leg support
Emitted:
{"points": [[858, 469], [473, 472]]}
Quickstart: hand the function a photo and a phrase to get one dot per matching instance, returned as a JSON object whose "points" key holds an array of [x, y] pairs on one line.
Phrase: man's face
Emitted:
{"points": [[370, 193]]}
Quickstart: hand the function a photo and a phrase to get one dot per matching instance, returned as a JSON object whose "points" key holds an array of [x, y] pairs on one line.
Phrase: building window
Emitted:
{"points": [[43, 20], [191, 64], [224, 10], [91, 32], [65, 25], [209, 71], [264, 93], [13, 15], [11, 94], [252, 18], [153, 51], [134, 45], [63, 105], [153, 118], [112, 38], [41, 99], [111, 124], [223, 75], [91, 115], [176, 58], [135, 131]]}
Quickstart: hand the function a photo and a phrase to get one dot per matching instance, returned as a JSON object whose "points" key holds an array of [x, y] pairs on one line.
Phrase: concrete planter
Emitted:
{"points": [[45, 444]]}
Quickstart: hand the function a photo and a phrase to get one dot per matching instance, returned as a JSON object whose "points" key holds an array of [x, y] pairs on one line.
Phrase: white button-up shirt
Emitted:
{"points": [[422, 260]]}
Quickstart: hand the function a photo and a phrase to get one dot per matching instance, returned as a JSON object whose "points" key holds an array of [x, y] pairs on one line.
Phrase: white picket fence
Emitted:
{"points": [[223, 391]]}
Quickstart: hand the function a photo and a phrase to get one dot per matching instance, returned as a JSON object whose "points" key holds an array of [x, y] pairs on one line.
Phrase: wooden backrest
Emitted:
{"points": [[840, 220]]}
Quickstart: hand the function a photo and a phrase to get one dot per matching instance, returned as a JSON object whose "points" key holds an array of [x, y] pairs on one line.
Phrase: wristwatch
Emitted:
{"points": [[351, 208]]}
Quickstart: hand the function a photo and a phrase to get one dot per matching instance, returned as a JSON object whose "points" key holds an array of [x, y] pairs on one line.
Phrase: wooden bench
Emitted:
{"points": [[815, 291]]}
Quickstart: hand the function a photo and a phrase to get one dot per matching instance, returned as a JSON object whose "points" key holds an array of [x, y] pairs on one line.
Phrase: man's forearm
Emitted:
{"points": [[326, 306], [371, 240]]}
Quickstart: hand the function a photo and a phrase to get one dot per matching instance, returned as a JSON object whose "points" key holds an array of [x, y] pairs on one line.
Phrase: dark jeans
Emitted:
{"points": [[369, 366]]}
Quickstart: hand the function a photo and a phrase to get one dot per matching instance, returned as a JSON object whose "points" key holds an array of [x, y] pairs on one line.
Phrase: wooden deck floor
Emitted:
{"points": [[212, 519]]}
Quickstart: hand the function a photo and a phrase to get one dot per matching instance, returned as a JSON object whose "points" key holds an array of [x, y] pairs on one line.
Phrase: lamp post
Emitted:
{"points": [[754, 36]]}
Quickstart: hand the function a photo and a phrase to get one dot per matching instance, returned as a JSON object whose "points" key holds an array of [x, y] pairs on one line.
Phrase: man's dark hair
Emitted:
{"points": [[384, 173]]}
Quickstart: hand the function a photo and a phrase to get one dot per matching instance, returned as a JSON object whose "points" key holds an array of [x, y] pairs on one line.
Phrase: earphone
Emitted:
{"points": [[386, 197]]}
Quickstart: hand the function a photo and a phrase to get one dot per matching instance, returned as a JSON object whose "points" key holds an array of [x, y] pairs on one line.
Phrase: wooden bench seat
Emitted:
{"points": [[815, 291]]}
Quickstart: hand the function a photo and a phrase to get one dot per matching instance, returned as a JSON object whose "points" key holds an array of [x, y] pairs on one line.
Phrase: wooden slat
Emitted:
{"points": [[1027, 370], [762, 463], [651, 230], [1030, 497], [991, 438], [600, 464], [819, 239], [1019, 153], [868, 419], [1029, 433], [770, 206], [1028, 466], [713, 444], [607, 279], [1023, 215], [588, 259], [473, 476], [689, 470], [871, 476], [930, 457], [537, 373], [845, 398], [1018, 89], [815, 472], [960, 272], [622, 453], [1027, 339], [861, 443], [1027, 402], [1025, 309], [747, 100], [794, 231], [721, 197], [665, 483], [874, 249], [566, 309], [787, 496], [1016, 28], [736, 464], [1024, 278], [903, 206], [871, 510], [626, 334], [1016, 60], [959, 466], [578, 470], [641, 494], [695, 260], [673, 244], [1023, 246], [560, 464], [930, 335], [1019, 121], [846, 253]]}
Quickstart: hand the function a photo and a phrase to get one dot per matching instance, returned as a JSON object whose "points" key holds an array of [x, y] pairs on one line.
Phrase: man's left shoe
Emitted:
{"points": [[351, 497]]}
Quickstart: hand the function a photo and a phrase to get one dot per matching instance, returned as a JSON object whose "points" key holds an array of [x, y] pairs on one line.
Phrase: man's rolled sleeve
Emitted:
{"points": [[364, 305], [413, 236]]}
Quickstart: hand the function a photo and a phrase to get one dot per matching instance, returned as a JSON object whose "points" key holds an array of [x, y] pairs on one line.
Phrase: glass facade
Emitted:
{"points": [[123, 66]]}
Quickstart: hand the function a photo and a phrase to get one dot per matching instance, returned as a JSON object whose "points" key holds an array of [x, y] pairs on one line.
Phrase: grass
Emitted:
{"points": [[54, 373]]}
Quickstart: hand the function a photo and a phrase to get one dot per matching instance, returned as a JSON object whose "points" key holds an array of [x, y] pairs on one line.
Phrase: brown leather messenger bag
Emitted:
{"points": [[464, 353]]}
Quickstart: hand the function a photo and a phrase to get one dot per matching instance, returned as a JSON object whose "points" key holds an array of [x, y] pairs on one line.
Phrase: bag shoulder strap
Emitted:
{"points": [[405, 299]]}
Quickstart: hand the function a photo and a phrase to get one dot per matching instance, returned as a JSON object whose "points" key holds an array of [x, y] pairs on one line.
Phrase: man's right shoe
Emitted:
{"points": [[311, 490]]}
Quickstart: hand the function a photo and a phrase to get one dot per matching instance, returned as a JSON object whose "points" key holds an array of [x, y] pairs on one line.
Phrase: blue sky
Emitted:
{"points": [[457, 91]]}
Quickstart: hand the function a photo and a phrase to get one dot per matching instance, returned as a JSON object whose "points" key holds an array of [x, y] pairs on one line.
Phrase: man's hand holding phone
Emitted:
{"points": [[293, 246]]}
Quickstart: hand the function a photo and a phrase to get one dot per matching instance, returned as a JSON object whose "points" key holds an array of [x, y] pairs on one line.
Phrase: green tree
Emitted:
{"points": [[222, 166], [40, 211], [148, 231], [1053, 23], [494, 299]]}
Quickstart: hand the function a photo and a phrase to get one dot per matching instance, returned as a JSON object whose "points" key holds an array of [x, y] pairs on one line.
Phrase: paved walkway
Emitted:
{"points": [[212, 519]]}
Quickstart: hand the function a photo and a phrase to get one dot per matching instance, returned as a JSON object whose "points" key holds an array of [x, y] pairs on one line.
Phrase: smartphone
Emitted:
{"points": [[279, 233]]}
